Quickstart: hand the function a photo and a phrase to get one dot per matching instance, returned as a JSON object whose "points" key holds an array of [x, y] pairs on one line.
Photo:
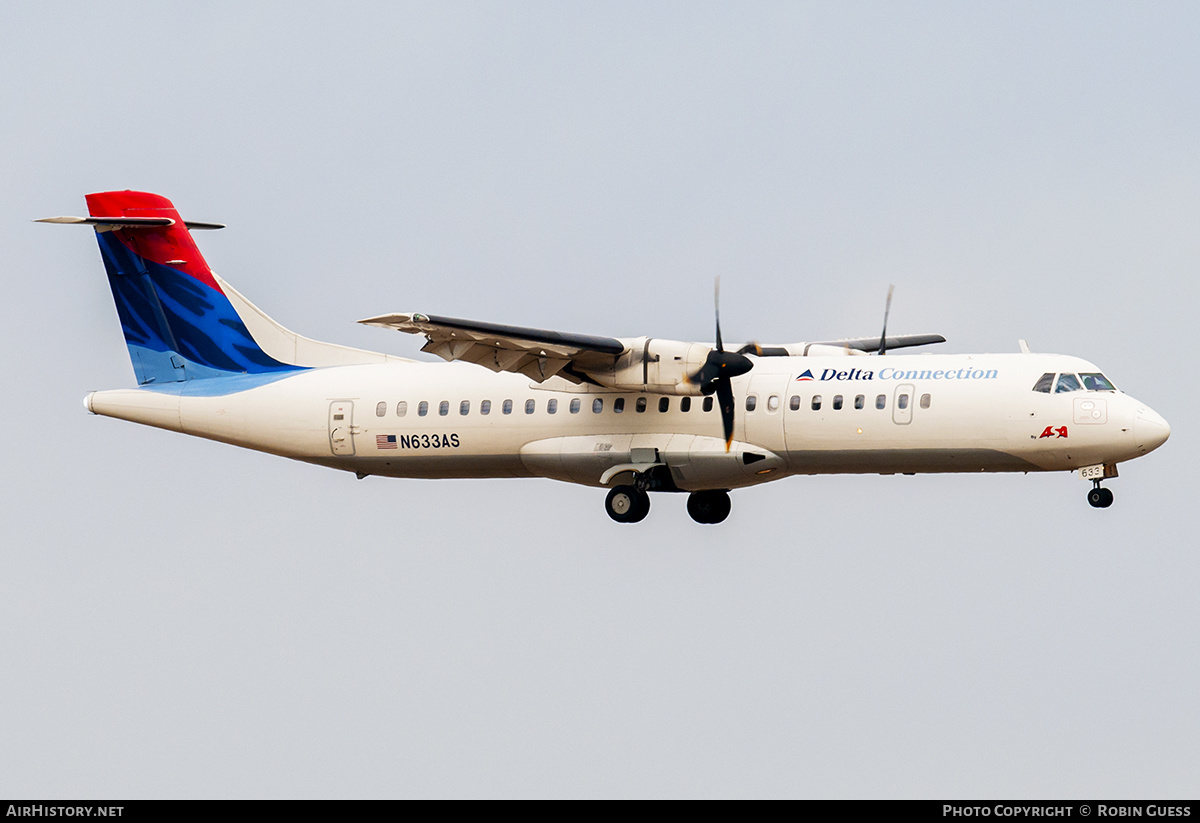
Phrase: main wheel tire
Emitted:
{"points": [[625, 504], [642, 508], [708, 507]]}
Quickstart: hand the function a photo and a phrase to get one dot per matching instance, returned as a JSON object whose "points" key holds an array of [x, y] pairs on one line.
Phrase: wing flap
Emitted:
{"points": [[537, 353]]}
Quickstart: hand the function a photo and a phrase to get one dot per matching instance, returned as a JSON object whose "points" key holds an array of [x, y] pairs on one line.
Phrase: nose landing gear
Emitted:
{"points": [[1100, 497]]}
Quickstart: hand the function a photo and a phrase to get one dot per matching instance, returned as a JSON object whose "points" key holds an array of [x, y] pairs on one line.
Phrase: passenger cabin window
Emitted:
{"points": [[619, 405], [485, 407], [464, 408], [551, 405], [881, 401], [402, 408], [902, 402], [708, 404], [530, 405], [381, 408], [598, 405], [422, 408], [506, 407], [773, 403], [1094, 381], [860, 401], [640, 405], [794, 402], [575, 404], [837, 402], [444, 408], [685, 405], [751, 402], [664, 404], [925, 401], [816, 402], [1044, 383], [1067, 383]]}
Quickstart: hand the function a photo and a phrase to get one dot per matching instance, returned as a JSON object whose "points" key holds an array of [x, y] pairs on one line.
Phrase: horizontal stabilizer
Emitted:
{"points": [[110, 223]]}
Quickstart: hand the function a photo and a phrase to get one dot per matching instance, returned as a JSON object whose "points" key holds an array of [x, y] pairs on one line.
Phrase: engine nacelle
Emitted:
{"points": [[657, 366]]}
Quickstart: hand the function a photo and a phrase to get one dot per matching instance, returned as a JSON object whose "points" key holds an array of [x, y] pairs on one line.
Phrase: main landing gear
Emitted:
{"points": [[708, 506], [627, 504], [1100, 497]]}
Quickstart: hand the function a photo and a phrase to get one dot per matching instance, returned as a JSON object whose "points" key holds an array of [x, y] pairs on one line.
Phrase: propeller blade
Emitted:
{"points": [[886, 309], [725, 401], [717, 310], [720, 367]]}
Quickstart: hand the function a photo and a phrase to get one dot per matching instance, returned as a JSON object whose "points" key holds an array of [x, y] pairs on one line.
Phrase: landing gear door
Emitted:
{"points": [[902, 404], [341, 427]]}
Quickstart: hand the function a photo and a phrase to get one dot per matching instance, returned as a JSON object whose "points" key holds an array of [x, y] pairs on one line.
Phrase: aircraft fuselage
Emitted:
{"points": [[796, 415]]}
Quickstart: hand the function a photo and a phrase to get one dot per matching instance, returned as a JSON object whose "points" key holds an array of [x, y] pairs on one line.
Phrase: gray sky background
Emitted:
{"points": [[180, 618]]}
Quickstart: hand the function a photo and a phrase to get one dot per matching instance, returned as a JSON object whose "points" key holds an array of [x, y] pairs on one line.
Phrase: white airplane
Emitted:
{"points": [[633, 415]]}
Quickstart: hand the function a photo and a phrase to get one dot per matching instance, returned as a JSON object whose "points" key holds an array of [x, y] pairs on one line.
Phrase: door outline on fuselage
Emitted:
{"points": [[903, 416], [341, 427], [765, 426]]}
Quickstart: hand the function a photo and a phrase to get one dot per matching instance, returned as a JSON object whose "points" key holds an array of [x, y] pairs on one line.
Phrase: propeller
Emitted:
{"points": [[720, 367], [887, 308]]}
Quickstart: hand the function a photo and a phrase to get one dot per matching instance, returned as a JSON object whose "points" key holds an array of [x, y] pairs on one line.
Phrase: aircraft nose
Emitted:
{"points": [[1149, 430]]}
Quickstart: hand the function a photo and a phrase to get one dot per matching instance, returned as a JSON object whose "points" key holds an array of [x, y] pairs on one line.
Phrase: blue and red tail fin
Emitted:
{"points": [[178, 322]]}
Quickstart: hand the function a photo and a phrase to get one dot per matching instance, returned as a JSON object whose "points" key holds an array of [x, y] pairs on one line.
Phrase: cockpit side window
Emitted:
{"points": [[1066, 383], [1044, 383], [1094, 381]]}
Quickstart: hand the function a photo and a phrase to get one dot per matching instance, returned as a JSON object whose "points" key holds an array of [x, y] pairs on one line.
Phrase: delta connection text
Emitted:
{"points": [[965, 373]]}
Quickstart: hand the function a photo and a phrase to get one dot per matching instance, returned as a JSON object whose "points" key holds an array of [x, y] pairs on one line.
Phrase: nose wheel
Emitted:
{"points": [[627, 504], [1100, 497]]}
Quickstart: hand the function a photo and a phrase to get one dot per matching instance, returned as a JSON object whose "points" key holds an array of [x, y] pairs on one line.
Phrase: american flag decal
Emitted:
{"points": [[385, 441]]}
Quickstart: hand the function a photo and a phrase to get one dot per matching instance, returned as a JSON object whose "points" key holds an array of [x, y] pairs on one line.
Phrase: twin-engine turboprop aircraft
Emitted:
{"points": [[635, 415]]}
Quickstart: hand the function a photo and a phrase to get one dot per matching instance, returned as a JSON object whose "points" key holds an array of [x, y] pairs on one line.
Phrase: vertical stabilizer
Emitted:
{"points": [[177, 321]]}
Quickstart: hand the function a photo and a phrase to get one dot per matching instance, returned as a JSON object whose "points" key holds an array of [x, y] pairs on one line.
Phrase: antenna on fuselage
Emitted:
{"points": [[886, 309]]}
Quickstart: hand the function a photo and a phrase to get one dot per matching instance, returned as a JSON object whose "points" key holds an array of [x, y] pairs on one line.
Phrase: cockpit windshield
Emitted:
{"points": [[1090, 381], [1066, 383], [1096, 382], [1044, 383]]}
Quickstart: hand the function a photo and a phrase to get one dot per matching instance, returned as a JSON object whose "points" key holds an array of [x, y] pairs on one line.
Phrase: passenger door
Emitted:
{"points": [[341, 427]]}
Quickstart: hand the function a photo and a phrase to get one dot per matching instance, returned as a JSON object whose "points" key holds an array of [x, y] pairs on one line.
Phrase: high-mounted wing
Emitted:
{"points": [[537, 353], [638, 364], [871, 344]]}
